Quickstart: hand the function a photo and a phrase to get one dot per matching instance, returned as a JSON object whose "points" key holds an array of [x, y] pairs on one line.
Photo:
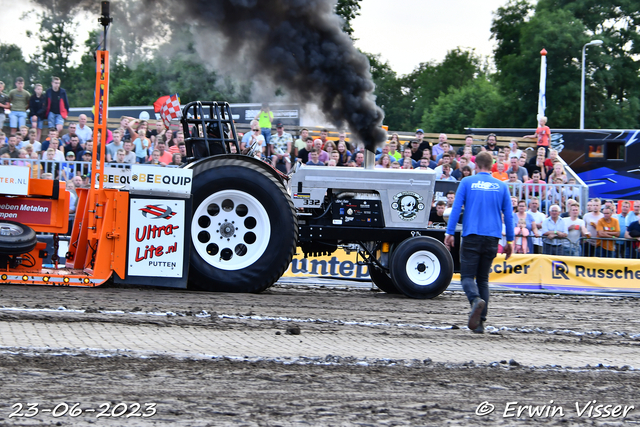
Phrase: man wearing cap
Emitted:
{"points": [[418, 145], [67, 170], [280, 147], [85, 167], [438, 149]]}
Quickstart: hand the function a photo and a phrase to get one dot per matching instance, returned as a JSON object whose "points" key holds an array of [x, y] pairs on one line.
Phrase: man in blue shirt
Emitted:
{"points": [[485, 200]]}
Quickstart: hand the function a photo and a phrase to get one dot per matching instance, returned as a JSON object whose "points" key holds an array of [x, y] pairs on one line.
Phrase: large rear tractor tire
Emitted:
{"points": [[421, 267], [16, 238], [244, 229]]}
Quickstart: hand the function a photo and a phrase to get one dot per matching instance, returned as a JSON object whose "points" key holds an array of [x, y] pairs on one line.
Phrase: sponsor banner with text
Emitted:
{"points": [[14, 180], [153, 178], [339, 265], [547, 272], [156, 237], [116, 177], [593, 273], [525, 272], [26, 211]]}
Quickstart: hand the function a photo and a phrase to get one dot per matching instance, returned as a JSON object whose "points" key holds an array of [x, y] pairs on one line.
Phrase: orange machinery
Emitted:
{"points": [[98, 242]]}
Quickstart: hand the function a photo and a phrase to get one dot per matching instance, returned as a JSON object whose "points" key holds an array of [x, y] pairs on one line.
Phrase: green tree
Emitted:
{"points": [[348, 10], [406, 100], [13, 64], [57, 44], [476, 104], [613, 95], [562, 28], [389, 94], [430, 79]]}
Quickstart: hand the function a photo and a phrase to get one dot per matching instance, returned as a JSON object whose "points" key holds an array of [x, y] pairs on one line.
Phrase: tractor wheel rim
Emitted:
{"points": [[230, 230], [423, 268], [9, 229]]}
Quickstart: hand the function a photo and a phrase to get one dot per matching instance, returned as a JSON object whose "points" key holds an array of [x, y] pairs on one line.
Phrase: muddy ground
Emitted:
{"points": [[337, 391]]}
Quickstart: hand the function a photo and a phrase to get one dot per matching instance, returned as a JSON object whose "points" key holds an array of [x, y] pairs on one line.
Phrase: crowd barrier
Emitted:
{"points": [[554, 194], [592, 247]]}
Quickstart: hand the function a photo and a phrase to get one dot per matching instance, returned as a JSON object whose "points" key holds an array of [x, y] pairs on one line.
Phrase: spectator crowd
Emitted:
{"points": [[546, 200]]}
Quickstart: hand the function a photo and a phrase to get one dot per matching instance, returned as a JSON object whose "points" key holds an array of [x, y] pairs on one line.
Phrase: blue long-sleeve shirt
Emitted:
{"points": [[485, 199]]}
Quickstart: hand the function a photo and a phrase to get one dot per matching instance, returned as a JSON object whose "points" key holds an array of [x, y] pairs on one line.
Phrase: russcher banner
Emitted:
{"points": [[532, 272], [578, 273], [565, 273]]}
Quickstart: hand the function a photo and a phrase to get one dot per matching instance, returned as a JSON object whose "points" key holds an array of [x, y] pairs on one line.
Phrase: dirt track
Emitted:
{"points": [[537, 351]]}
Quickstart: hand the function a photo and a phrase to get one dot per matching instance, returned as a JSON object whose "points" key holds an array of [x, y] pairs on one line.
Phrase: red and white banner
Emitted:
{"points": [[170, 110]]}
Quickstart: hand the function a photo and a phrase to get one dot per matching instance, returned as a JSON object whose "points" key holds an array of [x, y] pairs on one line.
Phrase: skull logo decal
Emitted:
{"points": [[408, 204]]}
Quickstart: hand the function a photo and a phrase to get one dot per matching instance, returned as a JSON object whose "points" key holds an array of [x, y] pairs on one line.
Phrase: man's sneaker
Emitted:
{"points": [[479, 329], [475, 317]]}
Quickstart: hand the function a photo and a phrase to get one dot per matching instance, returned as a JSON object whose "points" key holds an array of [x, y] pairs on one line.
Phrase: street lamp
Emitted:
{"points": [[584, 51]]}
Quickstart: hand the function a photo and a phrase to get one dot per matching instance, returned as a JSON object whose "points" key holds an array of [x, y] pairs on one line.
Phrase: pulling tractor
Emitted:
{"points": [[224, 222]]}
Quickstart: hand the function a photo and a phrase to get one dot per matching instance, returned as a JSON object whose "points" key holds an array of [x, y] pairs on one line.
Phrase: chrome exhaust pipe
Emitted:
{"points": [[369, 159]]}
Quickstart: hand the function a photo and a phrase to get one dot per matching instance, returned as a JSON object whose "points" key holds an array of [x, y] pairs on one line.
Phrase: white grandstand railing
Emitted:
{"points": [[71, 169]]}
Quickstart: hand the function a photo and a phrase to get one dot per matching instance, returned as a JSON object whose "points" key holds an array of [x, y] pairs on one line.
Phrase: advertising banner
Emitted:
{"points": [[116, 177], [26, 211], [547, 272], [339, 265], [520, 271], [156, 237], [153, 178], [14, 180], [577, 273], [526, 272]]}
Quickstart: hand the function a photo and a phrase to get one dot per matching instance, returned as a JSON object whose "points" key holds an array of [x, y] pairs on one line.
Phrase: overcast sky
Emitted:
{"points": [[403, 32], [408, 32]]}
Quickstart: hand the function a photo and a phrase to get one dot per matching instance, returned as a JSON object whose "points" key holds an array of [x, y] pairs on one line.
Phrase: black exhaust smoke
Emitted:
{"points": [[297, 44]]}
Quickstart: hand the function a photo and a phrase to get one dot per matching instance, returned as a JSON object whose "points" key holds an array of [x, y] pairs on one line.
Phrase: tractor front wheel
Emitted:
{"points": [[421, 267]]}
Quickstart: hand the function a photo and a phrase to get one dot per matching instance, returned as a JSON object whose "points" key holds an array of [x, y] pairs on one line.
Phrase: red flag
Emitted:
{"points": [[171, 110], [157, 106]]}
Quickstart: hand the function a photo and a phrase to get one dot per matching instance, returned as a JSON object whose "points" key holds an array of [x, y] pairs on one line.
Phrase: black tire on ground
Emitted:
{"points": [[382, 280], [421, 267], [244, 229], [16, 238]]}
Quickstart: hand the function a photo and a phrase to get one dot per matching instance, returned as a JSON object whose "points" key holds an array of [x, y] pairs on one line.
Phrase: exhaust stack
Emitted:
{"points": [[369, 159]]}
